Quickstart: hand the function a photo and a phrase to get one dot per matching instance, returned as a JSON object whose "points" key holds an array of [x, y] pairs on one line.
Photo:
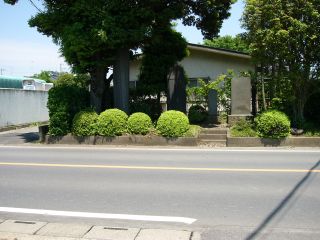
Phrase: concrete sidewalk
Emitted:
{"points": [[19, 136], [33, 230]]}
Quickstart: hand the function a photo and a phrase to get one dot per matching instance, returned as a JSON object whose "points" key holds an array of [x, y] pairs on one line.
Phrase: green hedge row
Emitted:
{"points": [[63, 104], [114, 122]]}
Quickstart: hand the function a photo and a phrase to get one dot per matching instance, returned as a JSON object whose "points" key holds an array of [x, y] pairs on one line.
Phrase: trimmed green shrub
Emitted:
{"points": [[85, 123], [197, 114], [273, 124], [112, 122], [59, 124], [63, 103], [151, 107], [139, 123], [243, 128], [173, 124], [276, 104]]}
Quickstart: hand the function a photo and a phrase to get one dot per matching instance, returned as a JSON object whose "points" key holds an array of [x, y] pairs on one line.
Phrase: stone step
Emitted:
{"points": [[209, 136], [214, 130]]}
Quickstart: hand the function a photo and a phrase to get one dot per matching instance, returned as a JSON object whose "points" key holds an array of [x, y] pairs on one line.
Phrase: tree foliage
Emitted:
{"points": [[222, 85], [159, 58], [44, 75], [284, 38], [78, 80], [228, 42]]}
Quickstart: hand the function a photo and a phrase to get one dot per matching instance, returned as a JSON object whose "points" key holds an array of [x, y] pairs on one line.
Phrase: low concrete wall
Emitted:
{"points": [[123, 140], [266, 142], [18, 107]]}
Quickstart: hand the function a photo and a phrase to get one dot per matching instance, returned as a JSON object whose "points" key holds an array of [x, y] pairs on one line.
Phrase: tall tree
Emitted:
{"points": [[92, 33], [161, 52], [284, 37], [164, 47]]}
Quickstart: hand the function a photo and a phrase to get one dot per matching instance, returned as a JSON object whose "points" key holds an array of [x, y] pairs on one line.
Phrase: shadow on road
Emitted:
{"points": [[29, 137], [282, 204]]}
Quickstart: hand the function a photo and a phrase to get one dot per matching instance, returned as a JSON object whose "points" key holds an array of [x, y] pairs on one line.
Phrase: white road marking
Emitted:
{"points": [[171, 148], [99, 215]]}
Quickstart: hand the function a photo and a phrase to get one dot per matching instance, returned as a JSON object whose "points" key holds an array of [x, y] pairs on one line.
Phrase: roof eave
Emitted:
{"points": [[219, 51]]}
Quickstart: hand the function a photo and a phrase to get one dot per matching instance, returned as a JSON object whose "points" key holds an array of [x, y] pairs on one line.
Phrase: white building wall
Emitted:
{"points": [[204, 64]]}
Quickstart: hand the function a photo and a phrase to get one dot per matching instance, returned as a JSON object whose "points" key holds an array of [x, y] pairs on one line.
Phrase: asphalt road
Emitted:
{"points": [[237, 194]]}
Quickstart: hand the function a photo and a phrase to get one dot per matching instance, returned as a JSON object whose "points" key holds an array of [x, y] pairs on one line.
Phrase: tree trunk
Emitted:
{"points": [[254, 94], [264, 105], [298, 113], [97, 87], [300, 101]]}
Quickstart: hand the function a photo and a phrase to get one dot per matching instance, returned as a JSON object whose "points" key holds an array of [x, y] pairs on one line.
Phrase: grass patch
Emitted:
{"points": [[223, 118], [193, 131], [243, 129], [311, 130]]}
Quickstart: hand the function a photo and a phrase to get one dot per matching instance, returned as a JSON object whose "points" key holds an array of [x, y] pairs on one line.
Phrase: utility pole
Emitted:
{"points": [[1, 71]]}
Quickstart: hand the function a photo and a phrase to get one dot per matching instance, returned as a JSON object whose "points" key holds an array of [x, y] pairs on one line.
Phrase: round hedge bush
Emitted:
{"points": [[85, 123], [139, 123], [273, 124], [112, 122], [197, 114], [173, 124]]}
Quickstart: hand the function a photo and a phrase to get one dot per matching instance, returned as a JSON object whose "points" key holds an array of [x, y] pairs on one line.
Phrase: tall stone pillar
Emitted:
{"points": [[177, 96], [121, 80], [240, 100], [213, 106]]}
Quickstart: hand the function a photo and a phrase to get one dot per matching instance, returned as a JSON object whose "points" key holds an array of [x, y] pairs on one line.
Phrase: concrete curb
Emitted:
{"points": [[33, 230]]}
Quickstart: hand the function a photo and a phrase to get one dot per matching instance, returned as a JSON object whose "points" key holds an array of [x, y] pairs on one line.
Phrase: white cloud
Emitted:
{"points": [[26, 58]]}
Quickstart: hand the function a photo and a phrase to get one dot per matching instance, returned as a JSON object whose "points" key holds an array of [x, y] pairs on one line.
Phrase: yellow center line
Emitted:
{"points": [[158, 167]]}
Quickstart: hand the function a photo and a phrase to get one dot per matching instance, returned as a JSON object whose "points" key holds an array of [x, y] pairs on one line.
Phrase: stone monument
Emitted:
{"points": [[177, 96], [240, 100], [212, 107]]}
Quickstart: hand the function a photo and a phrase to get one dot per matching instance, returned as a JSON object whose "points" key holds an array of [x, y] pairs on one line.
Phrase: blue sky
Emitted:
{"points": [[24, 51]]}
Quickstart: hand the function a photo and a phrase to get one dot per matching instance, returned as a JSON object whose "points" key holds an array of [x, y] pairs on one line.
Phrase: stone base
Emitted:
{"points": [[212, 119], [233, 119]]}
